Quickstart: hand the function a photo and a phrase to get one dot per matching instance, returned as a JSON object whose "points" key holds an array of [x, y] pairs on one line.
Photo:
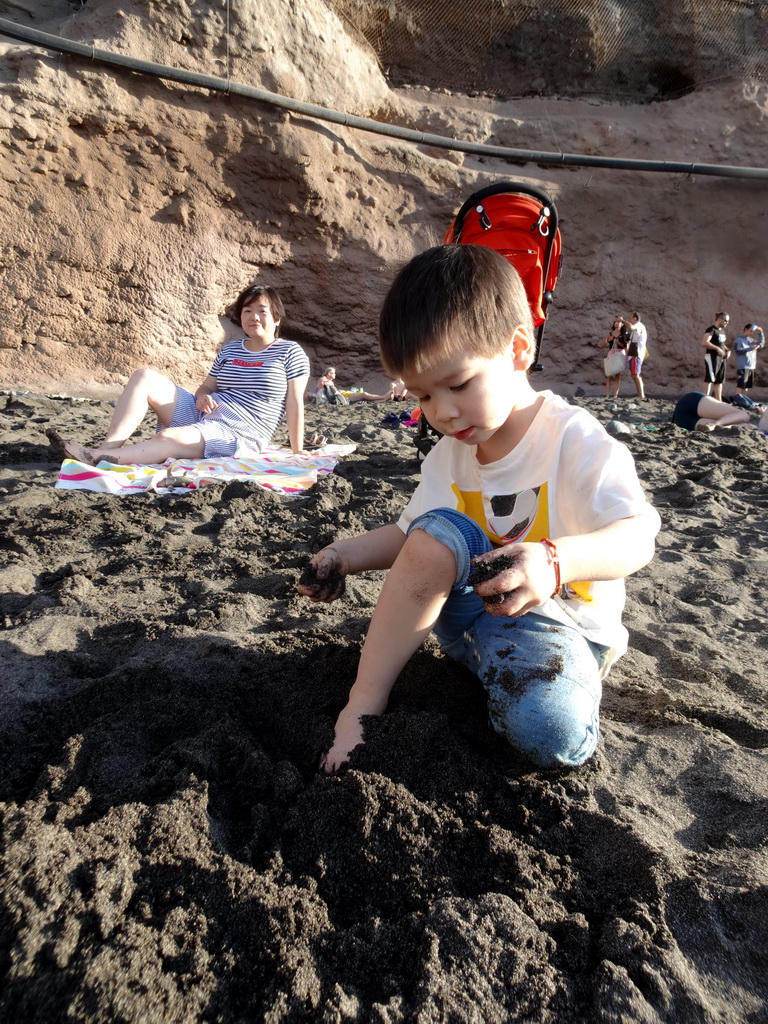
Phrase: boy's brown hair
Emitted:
{"points": [[448, 300]]}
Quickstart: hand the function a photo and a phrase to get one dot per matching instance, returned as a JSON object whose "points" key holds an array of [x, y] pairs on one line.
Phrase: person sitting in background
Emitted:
{"points": [[697, 411], [326, 391], [236, 409]]}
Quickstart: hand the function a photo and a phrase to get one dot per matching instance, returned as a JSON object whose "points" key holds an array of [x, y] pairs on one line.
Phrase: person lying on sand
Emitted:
{"points": [[697, 411], [236, 409], [326, 391], [516, 542], [400, 392]]}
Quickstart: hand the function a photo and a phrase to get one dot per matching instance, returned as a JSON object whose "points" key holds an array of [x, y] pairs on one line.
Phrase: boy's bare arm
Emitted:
{"points": [[324, 578], [408, 606], [369, 696], [611, 553]]}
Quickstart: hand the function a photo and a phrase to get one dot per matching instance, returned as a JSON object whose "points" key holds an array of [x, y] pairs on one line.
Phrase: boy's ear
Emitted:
{"points": [[523, 347]]}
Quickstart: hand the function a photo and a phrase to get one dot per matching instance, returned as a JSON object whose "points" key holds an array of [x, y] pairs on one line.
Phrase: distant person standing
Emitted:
{"points": [[636, 349], [716, 352], [745, 347], [615, 362]]}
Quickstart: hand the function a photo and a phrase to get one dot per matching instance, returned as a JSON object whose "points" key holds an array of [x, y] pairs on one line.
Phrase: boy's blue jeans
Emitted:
{"points": [[542, 677]]}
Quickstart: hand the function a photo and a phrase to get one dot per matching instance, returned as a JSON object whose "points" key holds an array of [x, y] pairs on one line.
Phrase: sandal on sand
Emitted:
{"points": [[63, 448], [316, 441]]}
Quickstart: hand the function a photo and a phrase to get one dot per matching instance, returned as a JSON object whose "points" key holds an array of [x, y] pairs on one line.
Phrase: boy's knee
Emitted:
{"points": [[456, 532], [425, 547], [552, 728]]}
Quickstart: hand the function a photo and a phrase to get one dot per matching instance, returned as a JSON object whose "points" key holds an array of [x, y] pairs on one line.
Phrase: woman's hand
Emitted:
{"points": [[513, 579], [205, 402], [324, 578]]}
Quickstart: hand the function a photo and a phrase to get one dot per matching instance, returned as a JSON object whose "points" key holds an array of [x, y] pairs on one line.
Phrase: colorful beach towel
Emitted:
{"points": [[275, 469]]}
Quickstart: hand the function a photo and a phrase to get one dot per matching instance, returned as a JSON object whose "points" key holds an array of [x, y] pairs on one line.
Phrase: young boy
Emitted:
{"points": [[531, 491], [745, 347]]}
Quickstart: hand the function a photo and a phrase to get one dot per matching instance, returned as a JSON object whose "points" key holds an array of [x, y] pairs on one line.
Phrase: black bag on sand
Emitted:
{"points": [[334, 396]]}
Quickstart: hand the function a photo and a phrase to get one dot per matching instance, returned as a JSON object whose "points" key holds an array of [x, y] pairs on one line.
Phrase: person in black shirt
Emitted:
{"points": [[716, 353]]}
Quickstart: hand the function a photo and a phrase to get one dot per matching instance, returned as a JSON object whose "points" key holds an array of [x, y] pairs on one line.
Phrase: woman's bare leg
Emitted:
{"points": [[364, 396], [147, 389], [172, 443], [713, 414]]}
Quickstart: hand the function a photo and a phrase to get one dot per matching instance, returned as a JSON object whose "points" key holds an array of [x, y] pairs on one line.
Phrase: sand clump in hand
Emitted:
{"points": [[171, 851]]}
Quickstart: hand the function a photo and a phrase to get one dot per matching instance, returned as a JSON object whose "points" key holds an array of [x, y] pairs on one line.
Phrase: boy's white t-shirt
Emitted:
{"points": [[566, 477]]}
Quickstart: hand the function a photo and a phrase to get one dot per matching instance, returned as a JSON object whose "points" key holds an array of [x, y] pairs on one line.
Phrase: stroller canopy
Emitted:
{"points": [[519, 222]]}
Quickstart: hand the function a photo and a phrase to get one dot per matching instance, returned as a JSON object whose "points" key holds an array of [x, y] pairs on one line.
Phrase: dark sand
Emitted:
{"points": [[170, 852]]}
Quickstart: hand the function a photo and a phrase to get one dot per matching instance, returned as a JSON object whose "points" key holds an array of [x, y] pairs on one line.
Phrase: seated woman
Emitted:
{"points": [[236, 409], [697, 411], [327, 392]]}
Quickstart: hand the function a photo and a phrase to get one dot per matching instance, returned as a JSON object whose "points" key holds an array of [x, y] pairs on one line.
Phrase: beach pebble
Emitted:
{"points": [[617, 427]]}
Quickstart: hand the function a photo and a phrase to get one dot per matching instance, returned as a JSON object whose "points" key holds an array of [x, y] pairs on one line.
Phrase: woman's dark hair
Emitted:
{"points": [[257, 291]]}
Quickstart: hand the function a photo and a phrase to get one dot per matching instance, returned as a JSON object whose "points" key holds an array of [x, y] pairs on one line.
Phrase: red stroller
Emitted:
{"points": [[520, 222]]}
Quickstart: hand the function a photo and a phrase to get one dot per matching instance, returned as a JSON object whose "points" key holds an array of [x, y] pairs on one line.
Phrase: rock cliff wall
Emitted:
{"points": [[635, 49], [133, 210]]}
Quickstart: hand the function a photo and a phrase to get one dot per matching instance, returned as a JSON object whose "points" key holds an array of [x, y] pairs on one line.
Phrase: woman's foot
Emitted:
{"points": [[70, 449]]}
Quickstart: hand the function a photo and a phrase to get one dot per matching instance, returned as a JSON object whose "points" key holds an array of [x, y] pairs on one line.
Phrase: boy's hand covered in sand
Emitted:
{"points": [[514, 579], [348, 735], [324, 578]]}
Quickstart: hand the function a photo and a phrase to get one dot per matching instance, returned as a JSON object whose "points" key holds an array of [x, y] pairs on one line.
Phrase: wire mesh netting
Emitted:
{"points": [[633, 49]]}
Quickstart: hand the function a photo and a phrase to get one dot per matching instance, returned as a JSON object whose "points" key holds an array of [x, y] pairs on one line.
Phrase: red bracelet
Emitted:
{"points": [[554, 559]]}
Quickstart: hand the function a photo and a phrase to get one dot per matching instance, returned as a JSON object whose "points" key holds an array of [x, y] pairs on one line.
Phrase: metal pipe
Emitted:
{"points": [[62, 45]]}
